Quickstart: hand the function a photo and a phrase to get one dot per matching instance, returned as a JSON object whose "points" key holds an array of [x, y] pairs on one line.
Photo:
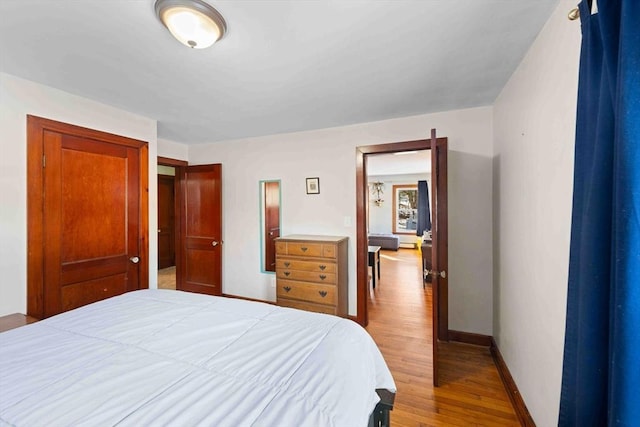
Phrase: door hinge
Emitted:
{"points": [[44, 161]]}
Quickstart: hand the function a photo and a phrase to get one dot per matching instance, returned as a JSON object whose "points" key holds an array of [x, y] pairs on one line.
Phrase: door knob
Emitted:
{"points": [[214, 243], [134, 259], [434, 273]]}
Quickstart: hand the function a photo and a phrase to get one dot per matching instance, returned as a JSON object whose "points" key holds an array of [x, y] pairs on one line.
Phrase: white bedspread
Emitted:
{"points": [[156, 357]]}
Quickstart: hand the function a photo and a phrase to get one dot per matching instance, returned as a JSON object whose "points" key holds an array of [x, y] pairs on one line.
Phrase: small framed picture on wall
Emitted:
{"points": [[313, 185]]}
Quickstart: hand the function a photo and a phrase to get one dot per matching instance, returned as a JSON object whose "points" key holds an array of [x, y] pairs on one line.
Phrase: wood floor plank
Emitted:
{"points": [[471, 392]]}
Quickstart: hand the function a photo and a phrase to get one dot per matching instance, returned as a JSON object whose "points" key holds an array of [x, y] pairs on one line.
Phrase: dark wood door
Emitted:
{"points": [[440, 325], [166, 221], [200, 251], [271, 222], [90, 208]]}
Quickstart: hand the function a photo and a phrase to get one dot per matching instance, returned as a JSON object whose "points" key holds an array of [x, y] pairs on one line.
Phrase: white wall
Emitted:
{"points": [[330, 155], [534, 125], [381, 217], [18, 98], [166, 170], [172, 150]]}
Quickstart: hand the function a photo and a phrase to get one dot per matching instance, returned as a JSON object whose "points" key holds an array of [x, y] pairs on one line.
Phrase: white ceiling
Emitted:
{"points": [[410, 162], [286, 65]]}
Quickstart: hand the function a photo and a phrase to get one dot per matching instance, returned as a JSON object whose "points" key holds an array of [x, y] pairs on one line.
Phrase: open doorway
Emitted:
{"points": [[166, 227], [196, 234], [365, 197], [438, 272], [398, 216], [168, 224]]}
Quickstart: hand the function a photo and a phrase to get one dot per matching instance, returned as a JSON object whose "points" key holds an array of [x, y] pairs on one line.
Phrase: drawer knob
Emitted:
{"points": [[287, 288], [287, 264], [322, 267], [323, 293], [287, 273], [323, 276], [304, 249]]}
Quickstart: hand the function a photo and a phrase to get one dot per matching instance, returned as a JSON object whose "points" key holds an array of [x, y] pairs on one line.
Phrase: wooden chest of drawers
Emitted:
{"points": [[312, 273]]}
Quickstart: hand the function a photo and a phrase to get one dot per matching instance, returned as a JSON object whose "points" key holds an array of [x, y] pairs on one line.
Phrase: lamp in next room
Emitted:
{"points": [[194, 23]]}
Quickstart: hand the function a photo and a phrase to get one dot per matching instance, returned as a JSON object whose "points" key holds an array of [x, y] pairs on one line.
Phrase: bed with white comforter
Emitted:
{"points": [[170, 358]]}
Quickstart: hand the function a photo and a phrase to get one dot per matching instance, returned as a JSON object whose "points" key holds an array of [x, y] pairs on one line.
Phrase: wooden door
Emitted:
{"points": [[166, 221], [439, 286], [271, 222], [200, 251], [86, 215]]}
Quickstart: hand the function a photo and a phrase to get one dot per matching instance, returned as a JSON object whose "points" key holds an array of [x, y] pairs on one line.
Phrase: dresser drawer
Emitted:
{"points": [[296, 264], [329, 251], [281, 248], [307, 276], [304, 249], [322, 294], [307, 249], [308, 306]]}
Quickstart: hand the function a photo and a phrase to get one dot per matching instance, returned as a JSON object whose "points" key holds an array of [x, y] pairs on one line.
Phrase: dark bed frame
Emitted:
{"points": [[380, 416]]}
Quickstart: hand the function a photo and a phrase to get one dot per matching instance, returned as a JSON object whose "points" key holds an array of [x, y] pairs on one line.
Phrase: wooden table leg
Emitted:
{"points": [[373, 273], [372, 263]]}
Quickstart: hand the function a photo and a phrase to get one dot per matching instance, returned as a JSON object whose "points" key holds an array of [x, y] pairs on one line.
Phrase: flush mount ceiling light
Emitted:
{"points": [[193, 22]]}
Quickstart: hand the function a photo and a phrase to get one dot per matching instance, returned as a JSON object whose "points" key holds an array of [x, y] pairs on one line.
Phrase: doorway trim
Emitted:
{"points": [[362, 283], [35, 193], [166, 161]]}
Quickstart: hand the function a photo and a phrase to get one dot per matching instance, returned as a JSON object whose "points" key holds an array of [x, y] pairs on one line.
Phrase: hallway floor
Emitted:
{"points": [[167, 278]]}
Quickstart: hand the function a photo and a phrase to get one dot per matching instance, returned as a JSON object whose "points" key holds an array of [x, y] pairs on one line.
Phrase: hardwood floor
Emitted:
{"points": [[167, 278], [470, 393]]}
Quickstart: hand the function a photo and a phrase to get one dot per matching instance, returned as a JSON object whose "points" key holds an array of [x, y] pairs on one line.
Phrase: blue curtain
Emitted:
{"points": [[424, 215], [601, 372]]}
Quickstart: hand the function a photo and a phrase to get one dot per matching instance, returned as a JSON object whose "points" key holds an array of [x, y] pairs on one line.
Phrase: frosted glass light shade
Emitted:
{"points": [[193, 23]]}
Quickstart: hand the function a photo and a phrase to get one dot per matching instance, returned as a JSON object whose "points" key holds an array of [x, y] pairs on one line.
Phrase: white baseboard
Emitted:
{"points": [[408, 245]]}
